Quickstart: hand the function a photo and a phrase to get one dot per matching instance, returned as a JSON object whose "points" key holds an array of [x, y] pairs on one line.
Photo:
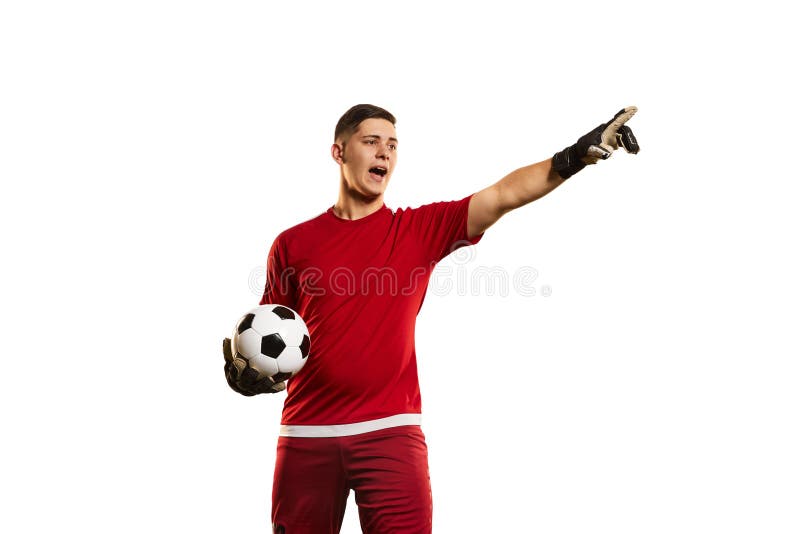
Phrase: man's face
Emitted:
{"points": [[369, 157]]}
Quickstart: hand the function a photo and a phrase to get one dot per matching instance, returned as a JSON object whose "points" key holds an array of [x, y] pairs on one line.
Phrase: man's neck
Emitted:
{"points": [[352, 209]]}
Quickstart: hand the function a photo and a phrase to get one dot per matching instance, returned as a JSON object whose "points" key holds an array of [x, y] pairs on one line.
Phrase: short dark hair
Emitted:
{"points": [[348, 123]]}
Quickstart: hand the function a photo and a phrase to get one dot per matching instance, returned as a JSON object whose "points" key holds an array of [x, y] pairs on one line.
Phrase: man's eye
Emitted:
{"points": [[393, 147], [370, 141]]}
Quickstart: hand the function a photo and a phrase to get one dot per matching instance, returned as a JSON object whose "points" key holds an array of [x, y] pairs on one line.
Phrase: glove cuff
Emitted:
{"points": [[567, 162]]}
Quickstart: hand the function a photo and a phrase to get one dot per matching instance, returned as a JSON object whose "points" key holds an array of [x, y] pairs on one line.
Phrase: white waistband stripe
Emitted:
{"points": [[334, 431]]}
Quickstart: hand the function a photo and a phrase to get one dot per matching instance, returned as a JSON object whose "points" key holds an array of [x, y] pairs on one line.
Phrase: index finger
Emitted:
{"points": [[622, 117]]}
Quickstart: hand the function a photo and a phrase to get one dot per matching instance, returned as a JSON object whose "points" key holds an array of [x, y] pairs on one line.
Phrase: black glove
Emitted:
{"points": [[244, 383], [597, 144]]}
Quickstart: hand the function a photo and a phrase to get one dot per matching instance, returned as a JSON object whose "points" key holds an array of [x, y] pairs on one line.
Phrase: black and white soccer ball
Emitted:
{"points": [[270, 341]]}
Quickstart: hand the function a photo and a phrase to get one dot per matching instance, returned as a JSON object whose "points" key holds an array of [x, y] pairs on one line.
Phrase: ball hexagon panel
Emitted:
{"points": [[292, 333], [264, 365], [248, 343], [266, 323], [291, 360]]}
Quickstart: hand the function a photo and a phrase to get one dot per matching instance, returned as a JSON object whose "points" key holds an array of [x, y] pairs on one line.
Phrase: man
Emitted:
{"points": [[357, 274]]}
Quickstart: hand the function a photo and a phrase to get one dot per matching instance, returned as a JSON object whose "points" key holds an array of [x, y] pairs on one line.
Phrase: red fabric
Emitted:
{"points": [[387, 469], [358, 286]]}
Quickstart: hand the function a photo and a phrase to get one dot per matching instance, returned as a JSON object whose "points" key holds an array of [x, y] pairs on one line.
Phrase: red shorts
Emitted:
{"points": [[387, 469]]}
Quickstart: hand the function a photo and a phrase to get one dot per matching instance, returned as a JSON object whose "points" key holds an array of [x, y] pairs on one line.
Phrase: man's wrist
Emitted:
{"points": [[567, 162]]}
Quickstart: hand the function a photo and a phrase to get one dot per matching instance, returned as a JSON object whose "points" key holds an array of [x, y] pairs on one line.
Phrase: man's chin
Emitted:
{"points": [[376, 188]]}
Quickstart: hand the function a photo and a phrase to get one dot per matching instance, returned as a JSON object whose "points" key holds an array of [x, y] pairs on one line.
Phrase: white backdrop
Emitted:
{"points": [[150, 151]]}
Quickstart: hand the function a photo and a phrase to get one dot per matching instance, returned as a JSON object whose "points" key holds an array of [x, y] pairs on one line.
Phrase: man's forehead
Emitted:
{"points": [[376, 127]]}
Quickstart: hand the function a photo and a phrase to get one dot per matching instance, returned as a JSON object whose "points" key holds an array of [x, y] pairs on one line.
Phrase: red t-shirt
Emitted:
{"points": [[359, 285]]}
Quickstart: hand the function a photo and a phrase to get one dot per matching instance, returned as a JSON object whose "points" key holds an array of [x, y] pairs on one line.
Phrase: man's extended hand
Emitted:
{"points": [[240, 381], [598, 144]]}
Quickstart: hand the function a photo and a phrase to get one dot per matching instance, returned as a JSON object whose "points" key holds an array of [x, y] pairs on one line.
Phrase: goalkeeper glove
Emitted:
{"points": [[597, 144], [240, 382]]}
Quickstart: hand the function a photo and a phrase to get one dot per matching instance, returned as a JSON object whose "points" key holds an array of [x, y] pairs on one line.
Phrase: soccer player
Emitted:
{"points": [[357, 274]]}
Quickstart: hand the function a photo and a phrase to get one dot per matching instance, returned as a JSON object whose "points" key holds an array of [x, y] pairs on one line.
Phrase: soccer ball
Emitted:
{"points": [[270, 341]]}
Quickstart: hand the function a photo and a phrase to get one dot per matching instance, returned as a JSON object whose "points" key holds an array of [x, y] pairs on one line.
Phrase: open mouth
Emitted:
{"points": [[378, 172]]}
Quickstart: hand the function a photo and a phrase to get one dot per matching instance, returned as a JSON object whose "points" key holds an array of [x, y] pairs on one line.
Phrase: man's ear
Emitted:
{"points": [[337, 153]]}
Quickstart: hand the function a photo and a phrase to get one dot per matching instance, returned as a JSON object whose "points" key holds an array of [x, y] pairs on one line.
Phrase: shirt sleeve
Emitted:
{"points": [[441, 227], [279, 286]]}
